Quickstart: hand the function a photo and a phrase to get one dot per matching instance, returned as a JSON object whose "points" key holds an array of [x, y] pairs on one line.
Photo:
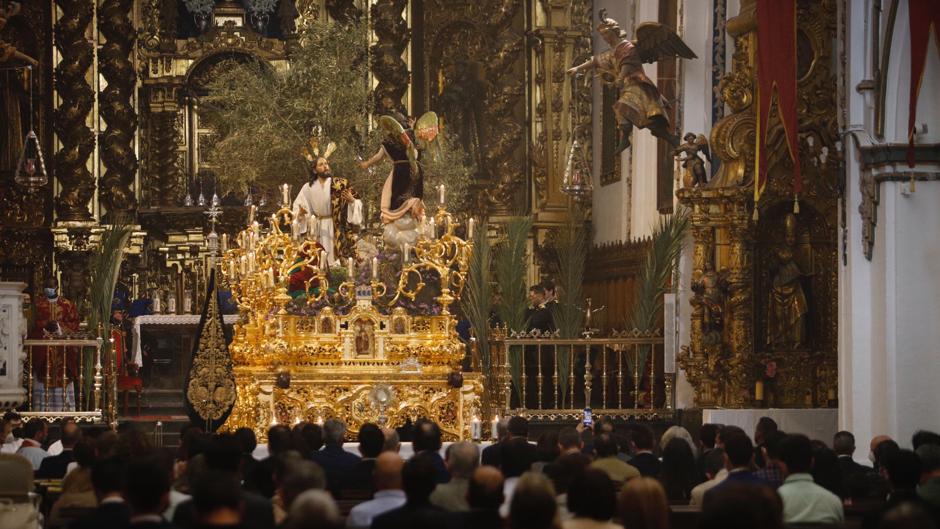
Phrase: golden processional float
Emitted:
{"points": [[345, 345]]}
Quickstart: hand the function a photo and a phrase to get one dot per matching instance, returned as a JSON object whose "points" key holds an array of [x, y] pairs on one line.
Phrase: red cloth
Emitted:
{"points": [[923, 14], [47, 313], [776, 69]]}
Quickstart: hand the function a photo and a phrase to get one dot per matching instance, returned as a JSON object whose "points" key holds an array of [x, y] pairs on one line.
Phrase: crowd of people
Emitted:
{"points": [[575, 477]]}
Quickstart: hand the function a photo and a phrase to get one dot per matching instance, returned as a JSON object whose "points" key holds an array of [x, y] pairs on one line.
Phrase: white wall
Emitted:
{"points": [[889, 307]]}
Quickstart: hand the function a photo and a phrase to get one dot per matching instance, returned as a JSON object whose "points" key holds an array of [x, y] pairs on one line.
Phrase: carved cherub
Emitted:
{"points": [[694, 164]]}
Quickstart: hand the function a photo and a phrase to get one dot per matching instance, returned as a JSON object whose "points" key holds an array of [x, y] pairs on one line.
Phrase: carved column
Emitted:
{"points": [[740, 307], [389, 68], [77, 98], [162, 169], [117, 109]]}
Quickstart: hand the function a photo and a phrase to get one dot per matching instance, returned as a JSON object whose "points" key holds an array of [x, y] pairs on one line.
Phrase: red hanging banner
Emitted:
{"points": [[923, 14], [776, 73]]}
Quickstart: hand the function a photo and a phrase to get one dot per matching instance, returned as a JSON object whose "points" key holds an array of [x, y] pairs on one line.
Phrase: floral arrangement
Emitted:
{"points": [[261, 6], [199, 7]]}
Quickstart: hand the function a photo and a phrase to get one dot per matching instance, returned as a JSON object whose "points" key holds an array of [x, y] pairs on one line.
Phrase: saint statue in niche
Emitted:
{"points": [[363, 338], [787, 307]]}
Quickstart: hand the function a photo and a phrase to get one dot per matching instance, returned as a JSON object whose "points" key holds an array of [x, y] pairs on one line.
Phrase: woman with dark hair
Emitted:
{"points": [[592, 500], [826, 470], [678, 470]]}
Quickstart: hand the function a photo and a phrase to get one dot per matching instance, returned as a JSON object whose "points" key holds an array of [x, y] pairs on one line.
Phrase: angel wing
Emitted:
{"points": [[655, 41], [702, 143], [392, 128], [427, 129]]}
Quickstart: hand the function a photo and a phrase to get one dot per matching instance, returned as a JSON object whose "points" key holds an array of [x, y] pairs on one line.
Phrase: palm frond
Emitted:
{"points": [[476, 304], [510, 278], [568, 315]]}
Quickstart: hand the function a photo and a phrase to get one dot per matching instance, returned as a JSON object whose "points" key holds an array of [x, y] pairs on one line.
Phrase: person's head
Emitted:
{"points": [[36, 430], [843, 443], [462, 459], [564, 470], [764, 426], [298, 477], [642, 504], [739, 451], [591, 495], [536, 295], [107, 477], [605, 445], [312, 435], [771, 447], [678, 464], [71, 433], [334, 430], [224, 454], [217, 498], [419, 477], [796, 454], [518, 426], [641, 438], [549, 288], [825, 468], [246, 439], [929, 455], [84, 452], [906, 515], [279, 439], [883, 450], [387, 473], [427, 436], [725, 431], [50, 287], [714, 462], [321, 168], [706, 436], [923, 437], [533, 504], [515, 457], [742, 506], [146, 485], [371, 440], [873, 445], [903, 469], [569, 440], [392, 442], [314, 508], [677, 432], [547, 447], [485, 490], [502, 429]]}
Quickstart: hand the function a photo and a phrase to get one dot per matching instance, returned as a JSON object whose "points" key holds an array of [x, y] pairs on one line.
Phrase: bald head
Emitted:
{"points": [[462, 459], [486, 488], [388, 471]]}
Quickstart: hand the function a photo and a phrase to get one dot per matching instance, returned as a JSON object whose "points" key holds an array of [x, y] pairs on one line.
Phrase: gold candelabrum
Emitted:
{"points": [[329, 360]]}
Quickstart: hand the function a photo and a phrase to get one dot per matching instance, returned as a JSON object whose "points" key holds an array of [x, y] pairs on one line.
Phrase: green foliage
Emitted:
{"points": [[651, 283], [510, 278], [476, 304], [450, 168], [568, 314]]}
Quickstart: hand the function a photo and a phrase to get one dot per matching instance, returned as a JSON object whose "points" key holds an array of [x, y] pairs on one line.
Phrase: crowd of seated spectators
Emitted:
{"points": [[572, 477]]}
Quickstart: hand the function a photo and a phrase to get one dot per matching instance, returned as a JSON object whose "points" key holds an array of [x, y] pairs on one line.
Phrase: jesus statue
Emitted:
{"points": [[319, 211]]}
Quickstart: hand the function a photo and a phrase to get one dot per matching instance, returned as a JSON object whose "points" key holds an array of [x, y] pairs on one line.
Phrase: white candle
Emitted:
{"points": [[271, 277], [440, 193], [224, 242], [231, 270], [375, 268], [350, 270], [494, 428], [285, 194], [470, 228], [432, 228], [251, 262], [321, 259], [405, 253], [476, 429], [243, 262]]}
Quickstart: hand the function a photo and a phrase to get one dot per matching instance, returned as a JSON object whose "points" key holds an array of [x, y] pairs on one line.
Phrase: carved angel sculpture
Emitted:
{"points": [[694, 164], [7, 51], [640, 103]]}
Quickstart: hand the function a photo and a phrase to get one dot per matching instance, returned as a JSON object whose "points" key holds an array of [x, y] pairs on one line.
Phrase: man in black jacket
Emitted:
{"points": [[855, 477], [419, 477], [147, 491], [334, 459], [54, 467], [112, 510], [641, 442]]}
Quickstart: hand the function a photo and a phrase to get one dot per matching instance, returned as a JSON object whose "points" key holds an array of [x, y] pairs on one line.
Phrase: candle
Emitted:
{"points": [[405, 253], [494, 428], [251, 213], [285, 194], [350, 271], [476, 429], [255, 228], [375, 268], [271, 277], [243, 262], [251, 262], [440, 193], [831, 394], [322, 259], [432, 228], [224, 242], [759, 391], [231, 270], [470, 228]]}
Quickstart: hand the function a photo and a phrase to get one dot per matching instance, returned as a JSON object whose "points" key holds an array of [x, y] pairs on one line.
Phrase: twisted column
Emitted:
{"points": [[389, 68], [116, 107], [78, 141]]}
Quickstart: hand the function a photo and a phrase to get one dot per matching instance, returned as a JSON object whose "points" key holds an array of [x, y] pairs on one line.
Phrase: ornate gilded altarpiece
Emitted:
{"points": [[764, 320]]}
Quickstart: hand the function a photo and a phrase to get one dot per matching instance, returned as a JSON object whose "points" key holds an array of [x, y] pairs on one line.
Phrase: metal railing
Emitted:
{"points": [[58, 392], [547, 377]]}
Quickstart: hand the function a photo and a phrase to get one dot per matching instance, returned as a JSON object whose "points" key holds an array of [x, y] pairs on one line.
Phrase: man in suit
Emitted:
{"points": [[739, 460], [54, 467], [641, 443], [707, 435], [112, 510], [261, 479], [223, 457], [854, 476], [146, 490], [484, 496], [419, 477], [335, 461], [490, 455], [427, 439], [371, 440]]}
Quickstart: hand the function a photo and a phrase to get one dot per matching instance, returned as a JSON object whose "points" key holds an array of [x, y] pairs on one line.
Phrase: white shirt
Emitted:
{"points": [[698, 492], [806, 502], [55, 448], [314, 198], [32, 451], [11, 445], [361, 516]]}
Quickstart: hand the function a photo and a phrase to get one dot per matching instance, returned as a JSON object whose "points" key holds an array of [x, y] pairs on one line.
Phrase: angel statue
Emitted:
{"points": [[694, 146], [640, 103], [402, 202], [7, 51]]}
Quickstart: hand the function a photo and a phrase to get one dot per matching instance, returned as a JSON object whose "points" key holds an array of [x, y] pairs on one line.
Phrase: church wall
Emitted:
{"points": [[643, 211], [889, 340]]}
